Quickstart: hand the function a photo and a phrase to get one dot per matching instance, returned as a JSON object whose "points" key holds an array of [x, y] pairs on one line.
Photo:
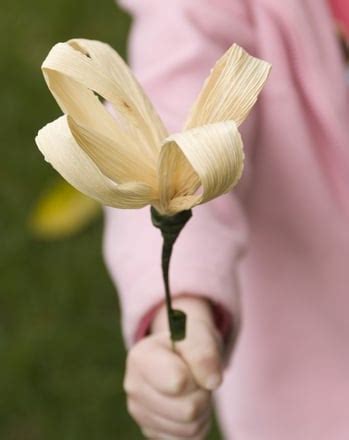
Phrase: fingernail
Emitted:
{"points": [[213, 381]]}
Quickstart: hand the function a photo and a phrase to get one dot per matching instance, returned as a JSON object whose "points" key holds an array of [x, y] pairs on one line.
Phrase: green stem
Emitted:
{"points": [[170, 227]]}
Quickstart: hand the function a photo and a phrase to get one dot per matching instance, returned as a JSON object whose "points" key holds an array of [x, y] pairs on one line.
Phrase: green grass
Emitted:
{"points": [[62, 355]]}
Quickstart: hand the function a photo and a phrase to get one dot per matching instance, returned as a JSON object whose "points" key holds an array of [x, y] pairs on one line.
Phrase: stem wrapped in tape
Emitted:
{"points": [[170, 227]]}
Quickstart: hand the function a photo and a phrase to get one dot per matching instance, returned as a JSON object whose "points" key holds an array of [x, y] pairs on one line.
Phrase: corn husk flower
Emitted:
{"points": [[129, 160]]}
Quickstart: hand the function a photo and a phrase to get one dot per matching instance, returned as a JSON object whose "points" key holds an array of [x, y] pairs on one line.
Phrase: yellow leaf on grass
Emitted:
{"points": [[61, 212]]}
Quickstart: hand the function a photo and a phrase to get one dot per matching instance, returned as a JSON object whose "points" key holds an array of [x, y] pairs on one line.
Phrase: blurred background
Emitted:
{"points": [[61, 351]]}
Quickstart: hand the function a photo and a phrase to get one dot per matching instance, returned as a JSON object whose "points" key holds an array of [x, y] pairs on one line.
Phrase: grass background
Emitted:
{"points": [[62, 355]]}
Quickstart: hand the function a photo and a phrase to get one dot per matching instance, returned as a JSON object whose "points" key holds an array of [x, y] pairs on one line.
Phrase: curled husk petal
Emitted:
{"points": [[60, 149]]}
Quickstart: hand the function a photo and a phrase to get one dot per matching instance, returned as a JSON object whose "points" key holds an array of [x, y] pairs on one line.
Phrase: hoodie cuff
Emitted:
{"points": [[222, 317]]}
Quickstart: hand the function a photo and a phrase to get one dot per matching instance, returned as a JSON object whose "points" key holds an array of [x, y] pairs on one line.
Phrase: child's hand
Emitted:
{"points": [[169, 393]]}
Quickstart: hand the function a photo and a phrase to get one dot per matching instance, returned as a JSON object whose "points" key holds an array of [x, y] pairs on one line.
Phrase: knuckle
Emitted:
{"points": [[128, 385], [177, 381], [208, 354], [132, 357], [133, 410]]}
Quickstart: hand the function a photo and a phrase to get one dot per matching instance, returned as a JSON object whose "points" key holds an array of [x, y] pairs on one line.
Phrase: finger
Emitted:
{"points": [[153, 422], [158, 365], [155, 435], [202, 352], [181, 409]]}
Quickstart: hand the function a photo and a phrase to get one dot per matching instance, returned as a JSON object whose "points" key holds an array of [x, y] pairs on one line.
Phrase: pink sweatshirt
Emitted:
{"points": [[279, 244]]}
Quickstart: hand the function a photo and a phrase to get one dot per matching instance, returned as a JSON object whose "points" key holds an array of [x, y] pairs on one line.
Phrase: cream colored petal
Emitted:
{"points": [[109, 157], [59, 147], [76, 69], [231, 89], [130, 94], [210, 156]]}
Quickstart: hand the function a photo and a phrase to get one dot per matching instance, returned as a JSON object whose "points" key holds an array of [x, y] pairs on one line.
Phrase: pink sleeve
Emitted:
{"points": [[172, 47]]}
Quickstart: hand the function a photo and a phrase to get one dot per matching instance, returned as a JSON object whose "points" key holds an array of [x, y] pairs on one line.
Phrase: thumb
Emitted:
{"points": [[201, 350]]}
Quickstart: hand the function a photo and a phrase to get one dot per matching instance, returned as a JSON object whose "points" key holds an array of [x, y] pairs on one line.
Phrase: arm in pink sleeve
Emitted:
{"points": [[172, 47]]}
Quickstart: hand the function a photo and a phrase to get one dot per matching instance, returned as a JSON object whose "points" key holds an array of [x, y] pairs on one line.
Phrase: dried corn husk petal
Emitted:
{"points": [[231, 89], [76, 77], [129, 90], [105, 154], [211, 156], [59, 147]]}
